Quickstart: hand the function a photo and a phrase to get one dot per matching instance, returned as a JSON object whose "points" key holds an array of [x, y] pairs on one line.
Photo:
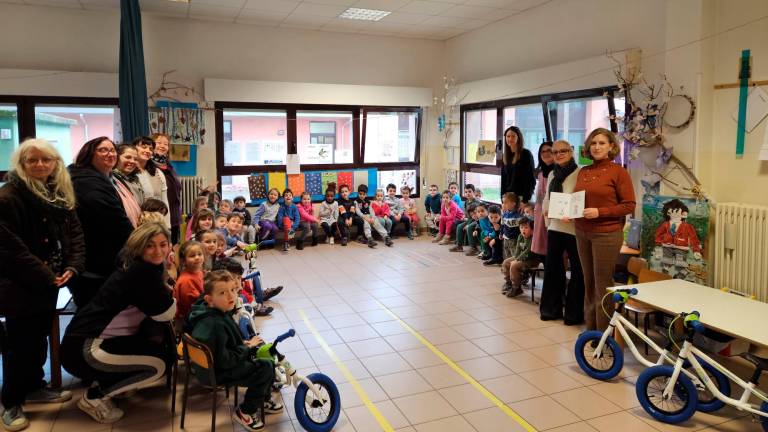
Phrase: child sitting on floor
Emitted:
{"points": [[234, 230], [209, 239], [220, 223], [288, 218], [234, 358], [200, 203], [203, 222], [329, 214], [249, 232], [450, 215], [189, 284], [521, 260], [409, 209], [396, 211], [465, 228], [153, 210], [309, 222], [509, 218], [380, 210], [432, 205], [366, 213], [346, 214], [493, 250]]}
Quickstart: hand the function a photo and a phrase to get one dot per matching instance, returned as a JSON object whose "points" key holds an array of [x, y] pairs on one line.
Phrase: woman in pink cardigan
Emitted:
{"points": [[450, 214], [308, 221]]}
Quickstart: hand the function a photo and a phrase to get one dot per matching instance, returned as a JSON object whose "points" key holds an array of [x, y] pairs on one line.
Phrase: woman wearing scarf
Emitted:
{"points": [[128, 185], [161, 160], [152, 179], [561, 239], [546, 163]]}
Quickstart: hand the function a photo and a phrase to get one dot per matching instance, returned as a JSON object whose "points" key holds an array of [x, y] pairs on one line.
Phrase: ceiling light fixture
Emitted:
{"points": [[364, 14]]}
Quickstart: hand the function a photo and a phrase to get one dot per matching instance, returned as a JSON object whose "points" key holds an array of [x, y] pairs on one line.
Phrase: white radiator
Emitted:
{"points": [[190, 189], [741, 255]]}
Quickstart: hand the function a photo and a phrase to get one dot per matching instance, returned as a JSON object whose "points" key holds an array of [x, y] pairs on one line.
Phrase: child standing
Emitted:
{"points": [[265, 217], [288, 218], [396, 211], [509, 218], [329, 214], [409, 209], [492, 245], [308, 221], [432, 205], [189, 284], [381, 211], [450, 214], [346, 213], [234, 359], [368, 216], [522, 259]]}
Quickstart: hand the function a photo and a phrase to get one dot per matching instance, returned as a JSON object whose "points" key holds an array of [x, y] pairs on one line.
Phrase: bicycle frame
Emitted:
{"points": [[622, 324], [291, 377], [742, 404]]}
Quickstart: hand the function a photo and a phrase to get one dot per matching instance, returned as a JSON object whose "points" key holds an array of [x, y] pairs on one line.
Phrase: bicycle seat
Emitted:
{"points": [[759, 362]]}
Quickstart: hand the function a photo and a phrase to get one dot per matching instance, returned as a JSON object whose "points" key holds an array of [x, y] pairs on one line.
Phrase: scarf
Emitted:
{"points": [[128, 178], [561, 173], [160, 159]]}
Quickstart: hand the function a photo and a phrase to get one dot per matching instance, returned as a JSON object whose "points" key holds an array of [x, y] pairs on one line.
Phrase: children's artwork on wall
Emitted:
{"points": [[276, 180], [257, 186], [345, 177], [673, 236], [183, 123], [180, 153], [296, 184], [486, 151], [329, 177], [313, 183], [358, 178]]}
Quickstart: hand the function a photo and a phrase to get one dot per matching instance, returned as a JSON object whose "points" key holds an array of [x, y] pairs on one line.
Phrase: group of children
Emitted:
{"points": [[496, 235]]}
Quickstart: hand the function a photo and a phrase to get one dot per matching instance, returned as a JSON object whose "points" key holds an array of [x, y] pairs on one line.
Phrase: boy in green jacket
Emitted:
{"points": [[522, 259], [234, 359]]}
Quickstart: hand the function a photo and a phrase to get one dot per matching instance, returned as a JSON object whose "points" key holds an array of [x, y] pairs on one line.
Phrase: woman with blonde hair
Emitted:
{"points": [[41, 248], [106, 342]]}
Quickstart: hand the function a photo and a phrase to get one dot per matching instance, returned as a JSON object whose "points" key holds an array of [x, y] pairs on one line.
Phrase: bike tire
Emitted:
{"points": [[707, 401], [764, 420], [648, 391], [612, 353], [334, 399]]}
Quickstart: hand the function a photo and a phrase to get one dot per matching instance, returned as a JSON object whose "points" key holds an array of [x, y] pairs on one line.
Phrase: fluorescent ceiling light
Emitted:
{"points": [[364, 14], [180, 1]]}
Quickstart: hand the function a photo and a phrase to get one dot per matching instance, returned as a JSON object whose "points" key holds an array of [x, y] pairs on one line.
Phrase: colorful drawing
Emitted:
{"points": [[296, 184], [346, 177], [183, 125], [257, 186], [329, 177], [277, 180], [360, 177], [313, 183], [673, 236]]}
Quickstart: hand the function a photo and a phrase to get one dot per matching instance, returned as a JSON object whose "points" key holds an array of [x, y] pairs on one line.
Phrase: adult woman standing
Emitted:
{"points": [[561, 239], [127, 170], [104, 343], [517, 170], [41, 248], [546, 163], [152, 179], [161, 159], [105, 223], [609, 198]]}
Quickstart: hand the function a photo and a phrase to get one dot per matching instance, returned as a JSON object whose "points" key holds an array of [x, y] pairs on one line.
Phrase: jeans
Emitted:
{"points": [[402, 218], [307, 228], [331, 229]]}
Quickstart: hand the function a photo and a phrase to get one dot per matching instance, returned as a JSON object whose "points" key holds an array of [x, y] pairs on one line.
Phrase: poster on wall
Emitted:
{"points": [[674, 235], [317, 154]]}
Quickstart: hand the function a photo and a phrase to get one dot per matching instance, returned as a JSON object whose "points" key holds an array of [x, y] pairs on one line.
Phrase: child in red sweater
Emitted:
{"points": [[189, 284], [309, 222]]}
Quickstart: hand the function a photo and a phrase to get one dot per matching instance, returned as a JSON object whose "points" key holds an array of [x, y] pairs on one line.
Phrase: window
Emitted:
{"points": [[489, 184], [390, 136], [480, 128], [68, 127], [257, 137], [9, 134], [227, 130], [530, 120], [399, 178], [324, 137], [577, 117]]}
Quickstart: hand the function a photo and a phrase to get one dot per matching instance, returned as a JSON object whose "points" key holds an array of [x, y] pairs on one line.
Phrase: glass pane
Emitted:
{"points": [[480, 125], [232, 186], [258, 137], [489, 184], [68, 127], [9, 134], [399, 178], [318, 131], [390, 137], [530, 120]]}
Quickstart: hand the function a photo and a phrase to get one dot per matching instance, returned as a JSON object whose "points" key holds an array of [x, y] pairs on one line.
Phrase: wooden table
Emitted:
{"points": [[731, 314]]}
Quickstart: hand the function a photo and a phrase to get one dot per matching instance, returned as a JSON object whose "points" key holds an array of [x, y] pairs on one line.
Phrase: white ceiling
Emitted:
{"points": [[425, 19]]}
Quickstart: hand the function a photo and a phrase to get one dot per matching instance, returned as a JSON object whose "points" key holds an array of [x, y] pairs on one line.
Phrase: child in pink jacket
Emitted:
{"points": [[450, 215], [308, 221], [381, 210]]}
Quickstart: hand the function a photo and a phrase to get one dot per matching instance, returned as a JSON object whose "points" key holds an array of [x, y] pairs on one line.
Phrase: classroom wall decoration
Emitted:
{"points": [[183, 125], [314, 182], [257, 187], [276, 180], [296, 183], [674, 236]]}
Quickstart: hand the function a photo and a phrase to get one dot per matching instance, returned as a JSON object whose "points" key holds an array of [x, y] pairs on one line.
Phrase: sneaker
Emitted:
{"points": [[286, 247], [343, 241], [330, 240], [261, 310], [299, 245], [483, 257], [314, 241], [491, 262], [388, 241], [47, 395], [362, 240], [410, 235], [457, 248], [271, 292], [445, 241], [507, 287], [472, 251], [14, 419], [273, 406], [438, 238], [514, 292], [102, 410], [249, 421], [291, 234], [371, 243]]}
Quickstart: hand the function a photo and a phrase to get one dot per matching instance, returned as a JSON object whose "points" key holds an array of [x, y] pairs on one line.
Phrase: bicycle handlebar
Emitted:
{"points": [[692, 321], [621, 295]]}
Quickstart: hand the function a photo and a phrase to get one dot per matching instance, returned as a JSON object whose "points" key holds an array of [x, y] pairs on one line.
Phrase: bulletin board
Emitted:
{"points": [[314, 182]]}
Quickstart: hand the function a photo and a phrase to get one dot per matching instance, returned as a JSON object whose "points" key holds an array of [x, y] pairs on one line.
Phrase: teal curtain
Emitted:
{"points": [[133, 81]]}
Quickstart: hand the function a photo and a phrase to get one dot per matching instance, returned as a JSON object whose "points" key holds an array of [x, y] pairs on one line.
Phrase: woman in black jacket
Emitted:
{"points": [[41, 248], [517, 172], [105, 224]]}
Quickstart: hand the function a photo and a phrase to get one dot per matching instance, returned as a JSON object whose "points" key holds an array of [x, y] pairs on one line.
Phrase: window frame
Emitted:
{"points": [[359, 118], [550, 121], [25, 106]]}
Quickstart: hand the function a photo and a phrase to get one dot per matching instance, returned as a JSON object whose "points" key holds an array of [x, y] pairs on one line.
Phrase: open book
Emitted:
{"points": [[563, 205]]}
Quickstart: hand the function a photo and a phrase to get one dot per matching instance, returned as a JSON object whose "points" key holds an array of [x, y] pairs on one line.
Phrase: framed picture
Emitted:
{"points": [[180, 153]]}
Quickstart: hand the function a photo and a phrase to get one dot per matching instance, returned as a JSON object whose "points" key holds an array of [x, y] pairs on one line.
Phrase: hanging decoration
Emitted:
{"points": [[447, 106]]}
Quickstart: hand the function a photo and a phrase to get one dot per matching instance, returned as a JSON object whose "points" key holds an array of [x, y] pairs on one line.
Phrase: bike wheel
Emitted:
{"points": [[764, 420], [650, 388], [707, 401], [315, 415], [607, 365]]}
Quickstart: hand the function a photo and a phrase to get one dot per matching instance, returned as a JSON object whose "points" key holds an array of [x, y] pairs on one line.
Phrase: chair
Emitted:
{"points": [[199, 354], [532, 273], [64, 306]]}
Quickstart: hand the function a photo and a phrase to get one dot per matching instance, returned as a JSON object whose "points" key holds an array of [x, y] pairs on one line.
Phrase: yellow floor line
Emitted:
{"points": [[385, 426], [484, 391]]}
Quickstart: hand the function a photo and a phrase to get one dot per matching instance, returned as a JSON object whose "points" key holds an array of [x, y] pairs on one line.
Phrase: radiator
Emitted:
{"points": [[190, 189], [741, 254]]}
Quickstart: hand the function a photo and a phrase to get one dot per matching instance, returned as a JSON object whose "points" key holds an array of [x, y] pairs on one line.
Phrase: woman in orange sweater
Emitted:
{"points": [[609, 198]]}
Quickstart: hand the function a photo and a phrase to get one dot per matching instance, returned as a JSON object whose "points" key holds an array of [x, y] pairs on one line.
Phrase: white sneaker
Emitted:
{"points": [[330, 240], [101, 410]]}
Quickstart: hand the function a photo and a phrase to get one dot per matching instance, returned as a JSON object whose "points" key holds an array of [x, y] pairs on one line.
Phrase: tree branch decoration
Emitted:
{"points": [[447, 105], [169, 90]]}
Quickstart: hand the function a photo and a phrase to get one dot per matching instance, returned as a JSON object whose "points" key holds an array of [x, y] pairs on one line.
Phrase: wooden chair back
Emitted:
{"points": [[646, 275], [635, 264]]}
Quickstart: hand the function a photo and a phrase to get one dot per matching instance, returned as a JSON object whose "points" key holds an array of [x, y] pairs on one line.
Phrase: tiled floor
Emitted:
{"points": [[454, 303]]}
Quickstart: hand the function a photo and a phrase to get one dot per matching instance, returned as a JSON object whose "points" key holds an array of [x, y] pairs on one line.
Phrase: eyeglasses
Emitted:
{"points": [[561, 152], [35, 161], [106, 151]]}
